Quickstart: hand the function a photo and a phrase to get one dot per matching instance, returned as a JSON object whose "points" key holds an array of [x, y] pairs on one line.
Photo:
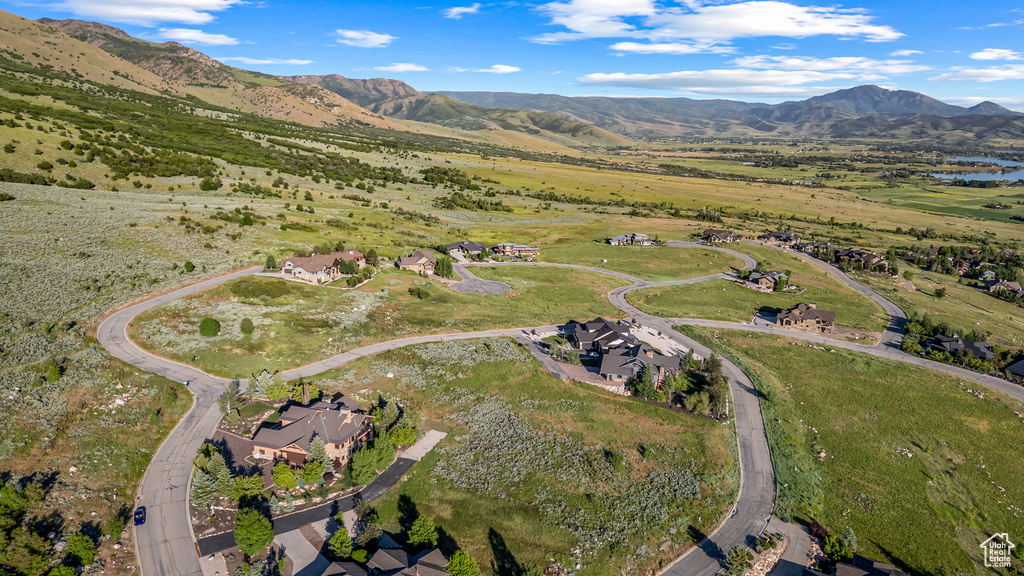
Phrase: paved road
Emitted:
{"points": [[165, 548], [470, 284]]}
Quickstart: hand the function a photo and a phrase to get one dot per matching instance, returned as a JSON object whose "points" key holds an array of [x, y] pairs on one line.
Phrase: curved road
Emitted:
{"points": [[165, 545]]}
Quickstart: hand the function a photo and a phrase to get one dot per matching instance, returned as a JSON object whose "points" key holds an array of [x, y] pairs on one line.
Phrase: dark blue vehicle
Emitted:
{"points": [[140, 515]]}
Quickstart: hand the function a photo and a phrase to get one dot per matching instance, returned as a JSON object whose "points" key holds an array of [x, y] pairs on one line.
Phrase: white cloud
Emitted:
{"points": [[960, 74], [455, 69], [721, 81], [902, 53], [1014, 103], [499, 69], [144, 12], [256, 61], [997, 54], [842, 63], [364, 38], [678, 48], [189, 36], [722, 23], [402, 67], [457, 12], [785, 46]]}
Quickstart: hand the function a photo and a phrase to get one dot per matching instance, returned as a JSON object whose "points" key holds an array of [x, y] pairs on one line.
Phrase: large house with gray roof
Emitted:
{"points": [[398, 562], [808, 317], [598, 335], [340, 424], [621, 364]]}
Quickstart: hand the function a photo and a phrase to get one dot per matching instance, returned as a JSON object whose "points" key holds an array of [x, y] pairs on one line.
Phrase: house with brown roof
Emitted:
{"points": [[354, 256], [858, 259], [398, 562], [339, 424], [321, 268], [465, 247], [766, 281], [421, 261], [780, 238], [1003, 286], [807, 316], [713, 236]]}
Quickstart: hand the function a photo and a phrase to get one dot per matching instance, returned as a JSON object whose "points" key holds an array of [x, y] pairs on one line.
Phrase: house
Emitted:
{"points": [[336, 569], [987, 275], [815, 248], [1003, 286], [619, 365], [954, 345], [339, 424], [634, 239], [766, 281], [517, 250], [861, 566], [861, 260], [598, 335], [421, 261], [398, 562], [354, 256], [465, 247], [714, 236], [807, 316], [784, 238], [1016, 370], [316, 269]]}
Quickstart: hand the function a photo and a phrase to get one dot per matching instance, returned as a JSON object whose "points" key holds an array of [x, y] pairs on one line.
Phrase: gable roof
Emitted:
{"points": [[398, 562], [348, 255], [418, 257], [466, 246], [803, 312], [621, 360], [314, 263], [598, 331], [335, 423]]}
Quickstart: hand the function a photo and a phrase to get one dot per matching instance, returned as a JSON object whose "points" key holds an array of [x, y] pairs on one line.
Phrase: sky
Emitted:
{"points": [[753, 50]]}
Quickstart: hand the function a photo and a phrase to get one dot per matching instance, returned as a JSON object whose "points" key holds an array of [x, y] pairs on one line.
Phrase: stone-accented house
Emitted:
{"points": [[861, 566], [807, 316], [321, 268], [813, 248], [634, 239], [954, 344], [354, 256], [861, 260], [421, 261], [465, 247], [619, 365], [517, 250], [783, 238], [715, 236], [339, 424], [398, 562], [1003, 286], [598, 335], [766, 281]]}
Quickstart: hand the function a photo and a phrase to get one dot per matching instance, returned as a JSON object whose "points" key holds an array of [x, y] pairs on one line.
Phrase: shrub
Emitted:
{"points": [[44, 165], [423, 532], [253, 531], [209, 184], [360, 556], [737, 561], [419, 292], [940, 293], [209, 327], [247, 327], [284, 476], [461, 564], [341, 543], [81, 550], [189, 266]]}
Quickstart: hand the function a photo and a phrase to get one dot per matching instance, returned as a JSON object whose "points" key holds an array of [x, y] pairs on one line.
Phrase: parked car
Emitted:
{"points": [[140, 515]]}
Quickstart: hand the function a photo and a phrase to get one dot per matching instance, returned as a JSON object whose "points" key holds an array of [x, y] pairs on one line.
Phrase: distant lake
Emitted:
{"points": [[1017, 175]]}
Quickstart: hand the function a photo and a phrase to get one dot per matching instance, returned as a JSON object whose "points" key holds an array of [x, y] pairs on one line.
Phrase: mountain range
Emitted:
{"points": [[107, 55]]}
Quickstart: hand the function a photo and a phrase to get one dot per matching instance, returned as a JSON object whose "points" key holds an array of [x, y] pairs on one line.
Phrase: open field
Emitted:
{"points": [[523, 444], [726, 300], [654, 263], [964, 307], [296, 324], [919, 466]]}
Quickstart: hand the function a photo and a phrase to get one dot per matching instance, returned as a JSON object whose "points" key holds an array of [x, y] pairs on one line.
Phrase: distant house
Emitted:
{"points": [[421, 261], [598, 335], [861, 566], [807, 316], [465, 247], [634, 239], [621, 364], [766, 281], [517, 250], [1003, 286], [816, 248], [987, 275], [339, 424], [714, 236], [321, 268], [861, 260], [1016, 370], [783, 238], [954, 344], [398, 562]]}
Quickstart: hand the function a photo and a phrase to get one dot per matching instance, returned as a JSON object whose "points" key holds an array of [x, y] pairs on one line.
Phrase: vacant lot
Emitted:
{"points": [[295, 324], [919, 465], [725, 300], [655, 263], [535, 467]]}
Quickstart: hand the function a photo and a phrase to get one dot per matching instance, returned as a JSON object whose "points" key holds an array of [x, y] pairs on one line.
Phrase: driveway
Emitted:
{"points": [[470, 284]]}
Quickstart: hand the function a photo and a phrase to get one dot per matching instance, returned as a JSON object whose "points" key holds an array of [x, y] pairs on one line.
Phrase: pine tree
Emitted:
{"points": [[423, 532], [851, 540], [230, 400], [385, 450], [390, 414], [221, 475], [461, 564], [204, 490], [284, 476], [364, 466], [341, 543], [644, 386], [318, 453]]}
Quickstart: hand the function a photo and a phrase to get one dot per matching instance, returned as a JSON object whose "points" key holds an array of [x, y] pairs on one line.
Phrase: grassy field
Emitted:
{"points": [[297, 324], [963, 306], [725, 300], [492, 505], [920, 467], [655, 263]]}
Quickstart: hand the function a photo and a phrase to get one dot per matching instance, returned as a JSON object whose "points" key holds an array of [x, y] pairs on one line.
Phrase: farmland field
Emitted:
{"points": [[921, 465], [523, 444]]}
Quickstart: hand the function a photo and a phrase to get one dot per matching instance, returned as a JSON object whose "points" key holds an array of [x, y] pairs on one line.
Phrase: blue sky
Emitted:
{"points": [[754, 50]]}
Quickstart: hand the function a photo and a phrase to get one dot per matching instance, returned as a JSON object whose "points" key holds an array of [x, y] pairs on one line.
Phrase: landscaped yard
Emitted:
{"points": [[918, 463], [725, 300], [534, 467], [655, 263], [295, 324]]}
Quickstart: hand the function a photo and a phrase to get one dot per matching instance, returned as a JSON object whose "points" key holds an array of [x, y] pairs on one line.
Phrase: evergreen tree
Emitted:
{"points": [[444, 268], [318, 453], [271, 262], [364, 466], [390, 414], [81, 550], [221, 475], [284, 476], [230, 400], [204, 489], [253, 531], [341, 543], [371, 258], [385, 450], [644, 385], [245, 487], [851, 540], [461, 564], [423, 532], [738, 560]]}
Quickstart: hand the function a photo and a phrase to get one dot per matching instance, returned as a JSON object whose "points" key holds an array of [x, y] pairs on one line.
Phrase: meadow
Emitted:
{"points": [[535, 468], [726, 300], [654, 263], [923, 466], [296, 324]]}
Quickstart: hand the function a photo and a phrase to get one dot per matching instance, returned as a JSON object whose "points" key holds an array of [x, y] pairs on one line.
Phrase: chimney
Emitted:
{"points": [[649, 352], [812, 305]]}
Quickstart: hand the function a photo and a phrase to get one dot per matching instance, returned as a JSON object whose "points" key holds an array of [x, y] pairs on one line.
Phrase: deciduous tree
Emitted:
{"points": [[253, 531]]}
